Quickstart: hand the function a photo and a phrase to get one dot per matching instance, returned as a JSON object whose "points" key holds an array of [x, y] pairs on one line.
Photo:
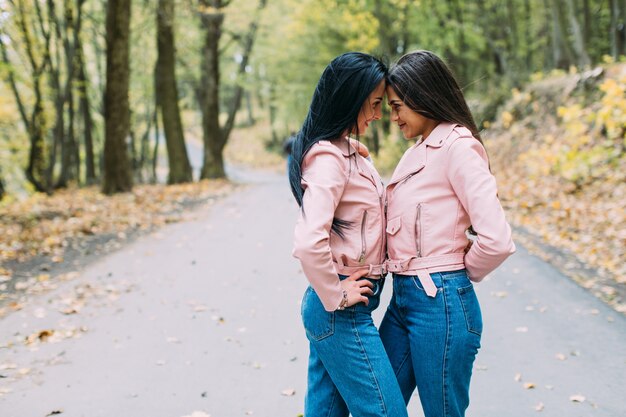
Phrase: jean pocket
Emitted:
{"points": [[418, 285], [318, 323], [471, 309]]}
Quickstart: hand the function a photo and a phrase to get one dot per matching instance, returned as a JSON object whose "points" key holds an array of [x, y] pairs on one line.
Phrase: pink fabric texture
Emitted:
{"points": [[339, 183], [440, 187]]}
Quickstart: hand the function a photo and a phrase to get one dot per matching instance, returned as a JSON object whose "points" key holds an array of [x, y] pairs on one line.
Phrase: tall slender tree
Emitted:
{"points": [[167, 96], [2, 191], [214, 136], [117, 172], [618, 27], [85, 111], [34, 120]]}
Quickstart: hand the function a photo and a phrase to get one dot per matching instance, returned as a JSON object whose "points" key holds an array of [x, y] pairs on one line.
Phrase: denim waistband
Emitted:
{"points": [[443, 275], [429, 280]]}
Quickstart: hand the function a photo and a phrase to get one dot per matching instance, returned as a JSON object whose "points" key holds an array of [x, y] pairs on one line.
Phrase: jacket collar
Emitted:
{"points": [[439, 134], [414, 159], [346, 148]]}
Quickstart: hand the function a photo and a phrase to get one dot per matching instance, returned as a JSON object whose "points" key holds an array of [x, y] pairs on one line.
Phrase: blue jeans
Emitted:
{"points": [[432, 342], [349, 371]]}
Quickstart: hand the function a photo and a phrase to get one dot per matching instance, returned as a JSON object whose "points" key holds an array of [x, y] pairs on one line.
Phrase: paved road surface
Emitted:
{"points": [[204, 316]]}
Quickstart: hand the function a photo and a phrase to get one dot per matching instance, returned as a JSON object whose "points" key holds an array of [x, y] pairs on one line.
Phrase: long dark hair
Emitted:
{"points": [[341, 91], [427, 86]]}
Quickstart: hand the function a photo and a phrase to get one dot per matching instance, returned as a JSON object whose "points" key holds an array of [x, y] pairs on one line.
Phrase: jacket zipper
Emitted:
{"points": [[384, 226], [418, 230], [363, 244]]}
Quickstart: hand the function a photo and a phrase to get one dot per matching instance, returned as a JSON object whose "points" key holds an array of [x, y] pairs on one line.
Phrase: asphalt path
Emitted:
{"points": [[203, 318]]}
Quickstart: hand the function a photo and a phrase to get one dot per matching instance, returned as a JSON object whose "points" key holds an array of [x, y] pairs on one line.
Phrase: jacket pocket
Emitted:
{"points": [[318, 323], [361, 257], [418, 230], [471, 309], [394, 225]]}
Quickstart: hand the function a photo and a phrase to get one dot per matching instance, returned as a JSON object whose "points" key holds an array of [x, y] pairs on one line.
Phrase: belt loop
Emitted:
{"points": [[369, 272]]}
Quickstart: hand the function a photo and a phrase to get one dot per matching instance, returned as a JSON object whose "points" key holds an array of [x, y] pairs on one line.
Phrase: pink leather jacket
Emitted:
{"points": [[339, 183], [440, 187]]}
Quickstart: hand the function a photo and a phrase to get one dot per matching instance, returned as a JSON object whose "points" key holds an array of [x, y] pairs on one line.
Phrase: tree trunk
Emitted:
{"points": [[2, 191], [618, 28], [494, 53], [578, 42], [250, 113], [247, 50], [528, 40], [271, 107], [215, 139], [117, 173], [167, 96], [70, 152], [562, 53], [58, 132], [34, 122], [587, 24], [85, 111], [212, 20]]}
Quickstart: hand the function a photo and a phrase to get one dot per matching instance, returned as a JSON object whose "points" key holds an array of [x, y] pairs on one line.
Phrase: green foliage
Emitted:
{"points": [[492, 46], [391, 150]]}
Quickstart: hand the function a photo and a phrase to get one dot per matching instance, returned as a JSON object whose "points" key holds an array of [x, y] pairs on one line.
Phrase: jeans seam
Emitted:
{"points": [[332, 403], [445, 356], [372, 375], [408, 353]]}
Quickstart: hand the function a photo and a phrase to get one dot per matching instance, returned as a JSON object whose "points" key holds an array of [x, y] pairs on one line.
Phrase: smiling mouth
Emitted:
{"points": [[401, 125]]}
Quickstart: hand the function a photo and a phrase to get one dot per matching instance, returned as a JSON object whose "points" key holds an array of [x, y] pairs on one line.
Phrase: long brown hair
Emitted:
{"points": [[427, 86]]}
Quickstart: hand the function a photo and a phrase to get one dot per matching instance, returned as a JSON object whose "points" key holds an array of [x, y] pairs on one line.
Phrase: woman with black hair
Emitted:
{"points": [[441, 191], [339, 239]]}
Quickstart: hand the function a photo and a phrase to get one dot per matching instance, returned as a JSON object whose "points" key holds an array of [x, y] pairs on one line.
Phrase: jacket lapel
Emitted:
{"points": [[414, 159]]}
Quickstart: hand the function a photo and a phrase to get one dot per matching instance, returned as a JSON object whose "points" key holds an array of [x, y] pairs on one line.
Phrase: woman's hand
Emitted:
{"points": [[360, 148], [357, 290]]}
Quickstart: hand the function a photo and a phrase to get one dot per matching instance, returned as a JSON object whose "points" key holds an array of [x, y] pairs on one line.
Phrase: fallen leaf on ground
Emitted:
{"points": [[518, 377], [41, 336], [529, 385], [577, 398], [289, 392], [539, 407], [23, 371], [198, 414], [499, 294]]}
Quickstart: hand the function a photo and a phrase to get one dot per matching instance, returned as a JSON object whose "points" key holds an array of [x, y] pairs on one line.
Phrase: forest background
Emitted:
{"points": [[104, 105]]}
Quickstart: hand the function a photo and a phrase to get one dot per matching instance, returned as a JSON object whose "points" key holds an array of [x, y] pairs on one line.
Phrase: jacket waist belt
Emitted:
{"points": [[373, 270], [424, 266]]}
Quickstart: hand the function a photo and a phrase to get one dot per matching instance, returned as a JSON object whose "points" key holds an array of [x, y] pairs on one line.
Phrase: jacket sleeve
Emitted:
{"points": [[475, 186], [323, 179]]}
